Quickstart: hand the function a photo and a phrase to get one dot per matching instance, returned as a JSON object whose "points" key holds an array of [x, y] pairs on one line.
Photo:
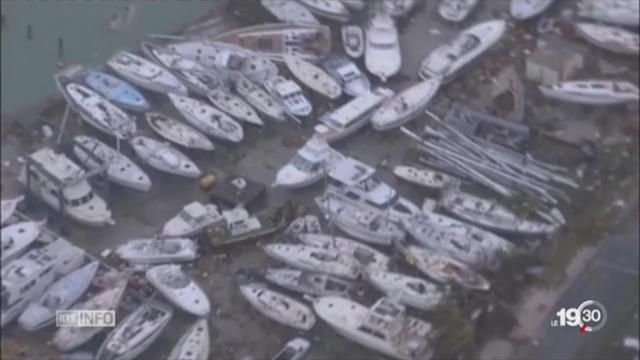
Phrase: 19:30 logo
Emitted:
{"points": [[590, 316]]}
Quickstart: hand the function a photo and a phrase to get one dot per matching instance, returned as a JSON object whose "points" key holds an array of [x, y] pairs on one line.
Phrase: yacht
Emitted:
{"points": [[290, 96], [409, 290], [192, 220], [178, 132], [308, 282], [290, 12], [156, 251], [179, 289], [145, 74], [353, 81], [117, 91], [609, 37], [456, 10], [78, 200], [194, 344], [367, 256], [309, 165], [278, 307], [620, 12], [593, 92], [313, 77], [311, 258], [405, 106], [527, 9], [17, 237], [382, 49], [330, 9]]}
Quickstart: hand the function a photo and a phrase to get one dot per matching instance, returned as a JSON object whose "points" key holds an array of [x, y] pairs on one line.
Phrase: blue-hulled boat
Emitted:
{"points": [[118, 91]]}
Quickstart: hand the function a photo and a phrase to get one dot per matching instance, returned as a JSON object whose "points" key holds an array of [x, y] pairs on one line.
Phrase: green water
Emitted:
{"points": [[28, 65]]}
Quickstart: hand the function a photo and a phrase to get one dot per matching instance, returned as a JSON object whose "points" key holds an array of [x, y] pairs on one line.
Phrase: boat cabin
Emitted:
{"points": [[353, 180], [384, 319]]}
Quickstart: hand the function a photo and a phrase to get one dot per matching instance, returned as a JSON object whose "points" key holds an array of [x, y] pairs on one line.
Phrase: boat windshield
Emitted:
{"points": [[81, 200], [303, 164], [368, 184], [462, 46]]}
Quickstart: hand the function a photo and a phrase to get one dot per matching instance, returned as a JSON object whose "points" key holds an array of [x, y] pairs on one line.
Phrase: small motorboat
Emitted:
{"points": [[295, 349], [398, 8], [234, 106], [311, 258], [163, 157], [179, 289], [68, 338], [239, 226], [593, 92], [491, 215], [59, 296], [353, 81], [352, 116], [456, 10], [368, 257], [620, 12], [367, 225], [309, 165], [278, 307], [384, 327], [428, 178], [308, 282], [8, 207], [157, 251], [527, 9], [92, 153], [310, 42], [353, 40], [330, 9], [313, 77], [194, 344], [117, 91], [192, 220], [99, 112], [382, 49], [178, 132], [145, 74], [409, 290], [136, 332], [290, 95], [290, 12], [405, 106], [17, 237], [207, 118], [447, 60], [442, 268], [609, 37], [259, 98]]}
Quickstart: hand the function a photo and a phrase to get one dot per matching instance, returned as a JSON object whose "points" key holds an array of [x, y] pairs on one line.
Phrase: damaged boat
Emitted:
{"points": [[157, 251], [330, 9], [309, 165], [353, 40], [163, 157], [234, 106], [259, 98], [405, 106], [344, 71], [456, 10], [382, 50], [239, 226], [145, 74], [117, 91], [313, 77], [308, 224], [527, 9], [621, 12], [409, 290], [290, 95], [294, 349], [8, 207], [192, 220], [179, 289], [278, 307], [308, 282], [17, 237], [609, 37], [593, 92], [311, 258], [178, 132], [368, 257], [290, 12], [194, 344], [431, 179]]}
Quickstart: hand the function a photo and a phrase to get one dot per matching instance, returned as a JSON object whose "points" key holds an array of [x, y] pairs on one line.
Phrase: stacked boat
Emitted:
{"points": [[382, 50], [145, 73], [310, 163], [609, 37], [526, 9], [405, 105], [620, 12], [593, 92]]}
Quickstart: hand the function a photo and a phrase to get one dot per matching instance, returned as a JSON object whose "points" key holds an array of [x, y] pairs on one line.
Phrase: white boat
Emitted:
{"points": [[259, 98], [91, 152], [364, 224], [68, 338], [60, 296], [239, 226], [8, 207], [385, 327], [398, 8], [290, 12], [308, 224], [621, 12], [609, 37], [278, 307], [526, 9], [23, 280], [313, 77], [234, 106], [79, 200], [368, 257], [310, 42], [409, 290], [456, 10], [178, 132], [352, 116], [163, 157], [207, 118], [593, 92], [68, 257], [357, 5], [449, 59], [353, 81], [309, 165], [442, 268], [290, 95], [405, 106], [193, 75], [491, 215], [353, 40], [428, 178], [99, 112], [179, 289], [382, 49], [157, 251], [144, 73], [294, 349], [136, 332], [311, 258], [330, 9], [17, 237], [227, 58], [194, 344], [308, 282], [192, 220]]}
